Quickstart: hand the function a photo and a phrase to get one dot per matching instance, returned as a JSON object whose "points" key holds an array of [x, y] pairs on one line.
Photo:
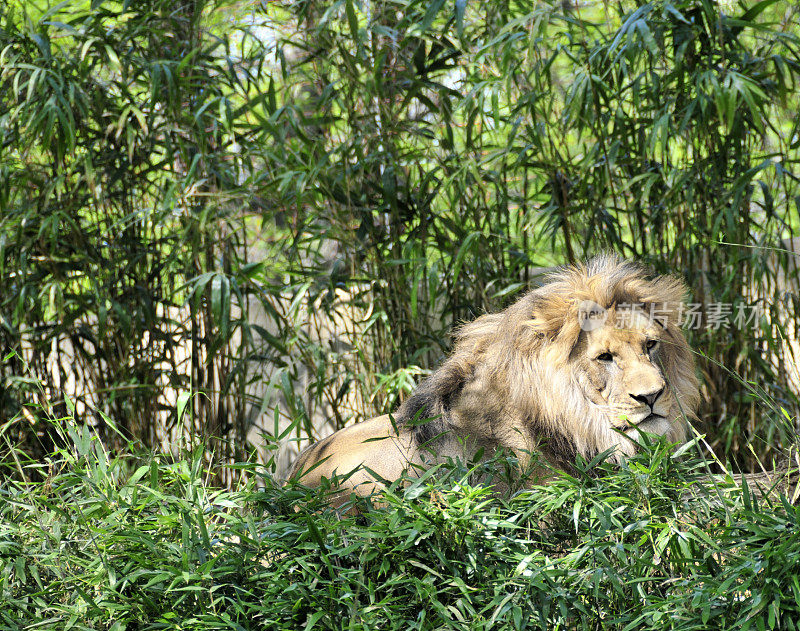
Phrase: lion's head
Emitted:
{"points": [[579, 365]]}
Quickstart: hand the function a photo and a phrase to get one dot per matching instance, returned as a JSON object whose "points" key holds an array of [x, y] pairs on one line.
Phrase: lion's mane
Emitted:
{"points": [[513, 375]]}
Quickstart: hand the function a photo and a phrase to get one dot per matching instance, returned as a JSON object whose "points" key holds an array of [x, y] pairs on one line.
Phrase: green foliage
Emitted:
{"points": [[198, 198], [126, 543], [117, 136]]}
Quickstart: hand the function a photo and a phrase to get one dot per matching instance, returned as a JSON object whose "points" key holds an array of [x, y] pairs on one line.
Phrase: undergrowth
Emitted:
{"points": [[144, 543]]}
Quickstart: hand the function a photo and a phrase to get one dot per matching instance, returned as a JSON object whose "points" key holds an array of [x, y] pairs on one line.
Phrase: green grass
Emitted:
{"points": [[138, 543]]}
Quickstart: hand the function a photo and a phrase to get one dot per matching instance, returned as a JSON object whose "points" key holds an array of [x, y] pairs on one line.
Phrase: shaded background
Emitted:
{"points": [[247, 224]]}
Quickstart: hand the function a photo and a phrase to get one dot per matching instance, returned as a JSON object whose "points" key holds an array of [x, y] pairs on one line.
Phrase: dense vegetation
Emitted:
{"points": [[123, 543], [226, 227], [196, 194]]}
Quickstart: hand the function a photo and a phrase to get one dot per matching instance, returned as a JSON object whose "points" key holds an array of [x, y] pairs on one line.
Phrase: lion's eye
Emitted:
{"points": [[651, 344], [604, 357]]}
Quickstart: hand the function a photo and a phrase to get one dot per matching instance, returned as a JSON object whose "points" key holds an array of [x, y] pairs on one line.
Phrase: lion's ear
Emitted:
{"points": [[662, 299], [553, 316]]}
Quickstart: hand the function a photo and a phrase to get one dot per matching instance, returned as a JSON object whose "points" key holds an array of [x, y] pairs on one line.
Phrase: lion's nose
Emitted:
{"points": [[649, 398]]}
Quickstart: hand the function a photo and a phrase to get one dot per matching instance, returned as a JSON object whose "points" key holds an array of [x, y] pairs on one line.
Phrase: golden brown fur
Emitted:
{"points": [[577, 366]]}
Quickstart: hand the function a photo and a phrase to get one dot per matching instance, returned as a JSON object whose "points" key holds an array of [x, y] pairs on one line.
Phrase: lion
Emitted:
{"points": [[581, 365]]}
